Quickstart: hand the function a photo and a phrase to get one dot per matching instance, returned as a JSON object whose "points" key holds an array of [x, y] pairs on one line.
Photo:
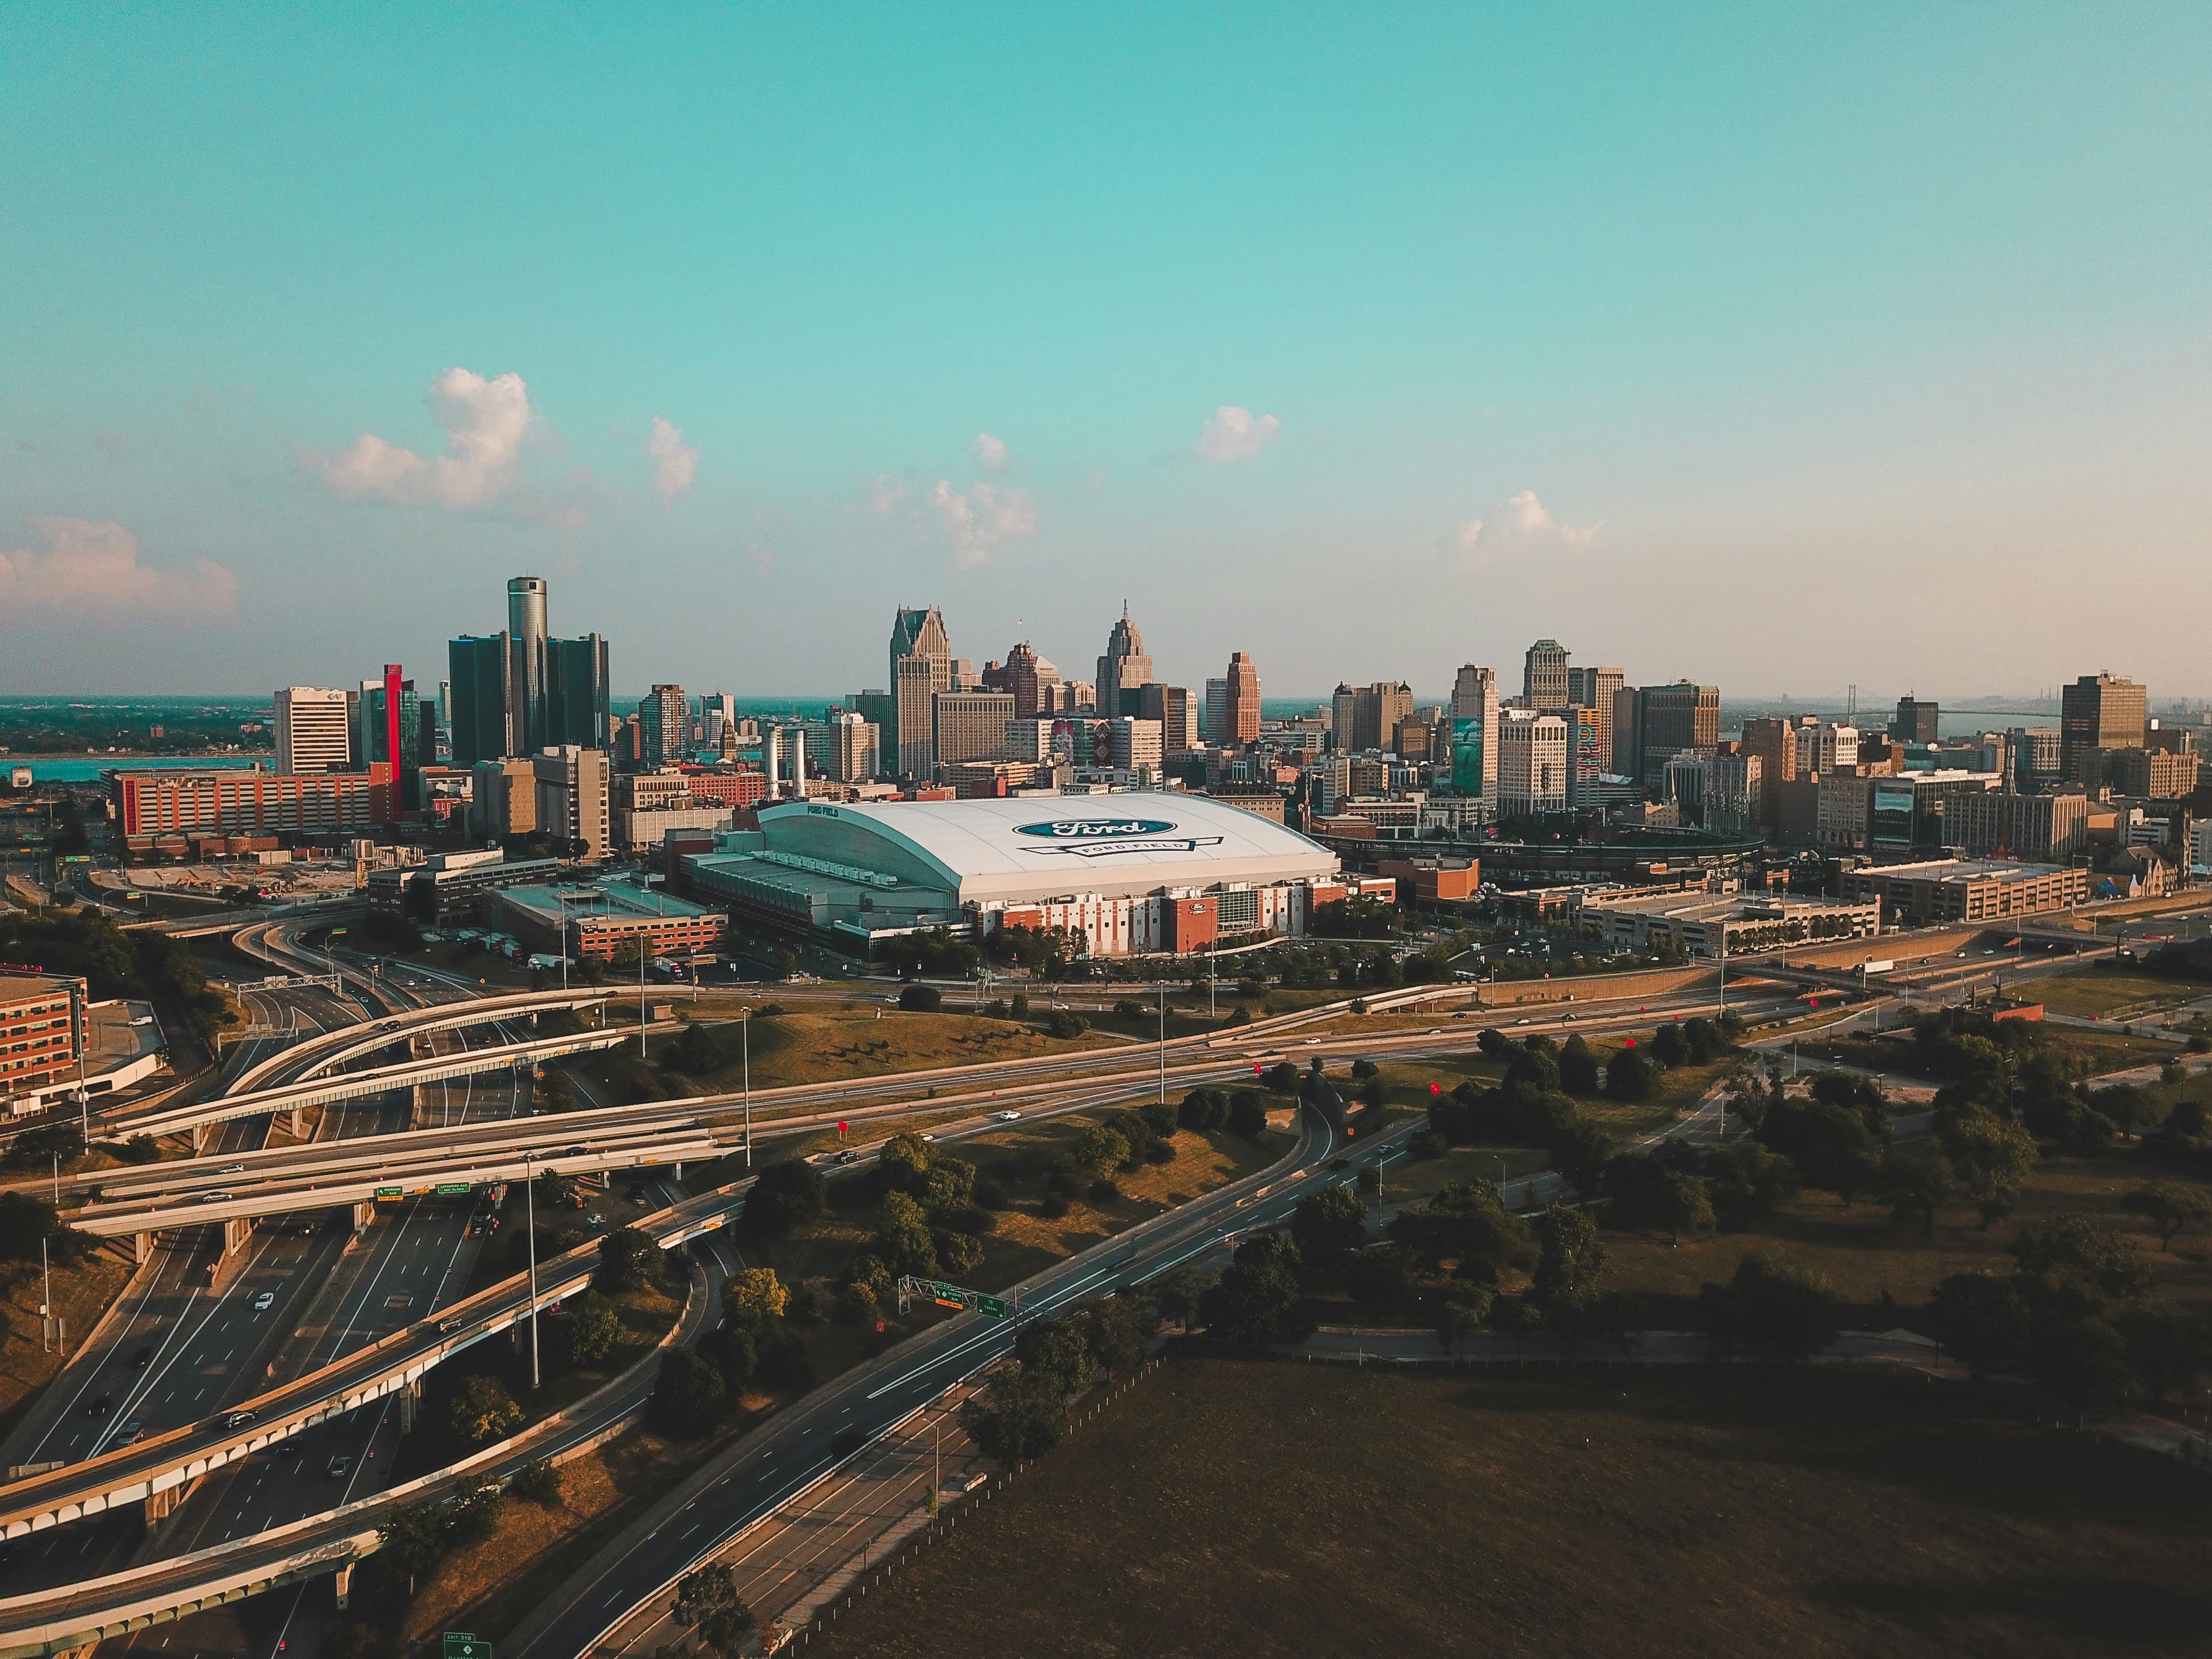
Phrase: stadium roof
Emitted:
{"points": [[1027, 848]]}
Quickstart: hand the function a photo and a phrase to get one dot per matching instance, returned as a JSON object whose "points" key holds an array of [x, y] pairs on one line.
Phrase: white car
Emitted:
{"points": [[1009, 1117], [264, 1302], [1313, 1042]]}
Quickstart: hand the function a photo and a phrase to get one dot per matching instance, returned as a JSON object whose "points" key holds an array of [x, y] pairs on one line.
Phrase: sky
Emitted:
{"points": [[1779, 348]]}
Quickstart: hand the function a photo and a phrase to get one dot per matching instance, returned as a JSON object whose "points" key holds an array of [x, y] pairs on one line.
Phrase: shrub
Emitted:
{"points": [[1628, 1076], [785, 1195], [1248, 1115], [688, 1398], [539, 1483], [922, 999], [1104, 1191]]}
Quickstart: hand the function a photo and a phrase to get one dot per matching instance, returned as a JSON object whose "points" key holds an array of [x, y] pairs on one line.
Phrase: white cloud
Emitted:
{"points": [[1233, 432], [91, 569], [485, 422], [976, 519], [885, 495], [990, 452], [674, 461], [1524, 525]]}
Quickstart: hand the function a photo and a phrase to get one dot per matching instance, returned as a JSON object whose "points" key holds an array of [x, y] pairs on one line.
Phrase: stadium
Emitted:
{"points": [[1132, 873]]}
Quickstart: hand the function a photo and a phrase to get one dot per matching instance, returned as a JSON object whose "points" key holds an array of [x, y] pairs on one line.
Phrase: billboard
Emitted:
{"points": [[1588, 760], [1466, 756]]}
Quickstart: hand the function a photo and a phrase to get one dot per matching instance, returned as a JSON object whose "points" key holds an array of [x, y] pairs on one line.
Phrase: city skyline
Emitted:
{"points": [[1532, 318]]}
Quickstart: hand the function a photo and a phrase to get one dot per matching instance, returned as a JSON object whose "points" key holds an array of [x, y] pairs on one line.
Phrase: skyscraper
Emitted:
{"points": [[312, 731], [578, 707], [1125, 668], [1671, 721], [663, 719], [389, 732], [1543, 676], [525, 673], [1474, 715], [1214, 715], [922, 667], [2098, 711], [1596, 687], [479, 668], [1241, 710], [1915, 721]]}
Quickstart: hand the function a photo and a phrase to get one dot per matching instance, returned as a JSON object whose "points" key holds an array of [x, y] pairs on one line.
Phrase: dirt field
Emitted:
{"points": [[1261, 1509]]}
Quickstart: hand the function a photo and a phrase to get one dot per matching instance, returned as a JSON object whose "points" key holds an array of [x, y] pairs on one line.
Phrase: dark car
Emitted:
{"points": [[143, 1357], [336, 1468], [100, 1405]]}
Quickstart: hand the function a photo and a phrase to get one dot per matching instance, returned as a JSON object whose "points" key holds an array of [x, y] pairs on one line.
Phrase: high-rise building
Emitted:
{"points": [[1596, 687], [2036, 756], [1123, 670], [854, 756], [579, 705], [480, 725], [1672, 719], [1824, 747], [572, 790], [1034, 682], [922, 667], [1176, 711], [1362, 718], [1775, 743], [968, 725], [1586, 753], [663, 719], [313, 731], [1240, 708], [2098, 711], [1137, 745], [1533, 763], [502, 798], [526, 673], [1914, 722], [388, 731], [1543, 676], [1213, 718], [1473, 715]]}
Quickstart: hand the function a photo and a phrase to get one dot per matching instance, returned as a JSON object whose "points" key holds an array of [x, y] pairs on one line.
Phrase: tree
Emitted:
{"points": [[1282, 1079], [1990, 1156], [1628, 1076], [922, 999], [1203, 1109], [1116, 1328], [1781, 1306], [696, 1053], [1460, 1311], [1746, 1184], [2166, 1347], [1669, 1047], [595, 1330], [1178, 1293], [1580, 1151], [414, 1540], [1916, 1179], [1468, 1225], [902, 1236], [483, 1409], [1981, 1319], [1831, 1145], [2072, 1348], [688, 1397], [706, 1601], [1327, 1226], [553, 1091], [1099, 1149], [755, 1296], [1381, 1278], [2094, 1248], [1577, 1067], [24, 1219], [784, 1196], [538, 1482], [1057, 1348], [2171, 1209], [1571, 1261], [1256, 1298], [1021, 1415], [1248, 1115], [629, 1261]]}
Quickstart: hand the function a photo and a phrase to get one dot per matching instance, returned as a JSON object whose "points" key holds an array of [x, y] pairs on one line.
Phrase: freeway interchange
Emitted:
{"points": [[322, 1332]]}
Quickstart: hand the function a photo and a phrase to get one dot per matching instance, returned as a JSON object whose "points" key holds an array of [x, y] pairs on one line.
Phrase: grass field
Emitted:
{"points": [[2102, 991], [1261, 1509], [82, 1295]]}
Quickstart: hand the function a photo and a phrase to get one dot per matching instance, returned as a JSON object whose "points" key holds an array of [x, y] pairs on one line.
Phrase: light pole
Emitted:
{"points": [[530, 1227], [1164, 1039], [562, 894], [745, 1043]]}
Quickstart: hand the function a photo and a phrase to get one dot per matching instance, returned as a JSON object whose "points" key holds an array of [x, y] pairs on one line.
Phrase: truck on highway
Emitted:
{"points": [[1885, 966]]}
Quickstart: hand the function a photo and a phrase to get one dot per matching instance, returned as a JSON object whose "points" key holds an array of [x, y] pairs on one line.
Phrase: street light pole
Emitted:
{"points": [[745, 1039], [1164, 1039], [530, 1225]]}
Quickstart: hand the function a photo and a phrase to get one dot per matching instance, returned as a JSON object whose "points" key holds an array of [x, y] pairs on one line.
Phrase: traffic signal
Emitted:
{"points": [[1435, 1089]]}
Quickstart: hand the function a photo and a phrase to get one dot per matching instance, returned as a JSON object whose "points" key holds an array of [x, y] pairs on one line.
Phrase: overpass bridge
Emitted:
{"points": [[325, 1049]]}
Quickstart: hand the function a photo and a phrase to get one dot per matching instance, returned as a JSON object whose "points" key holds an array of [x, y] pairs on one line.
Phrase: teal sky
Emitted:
{"points": [[1779, 347]]}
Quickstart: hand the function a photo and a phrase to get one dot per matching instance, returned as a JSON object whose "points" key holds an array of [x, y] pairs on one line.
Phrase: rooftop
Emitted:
{"points": [[1965, 869], [581, 899]]}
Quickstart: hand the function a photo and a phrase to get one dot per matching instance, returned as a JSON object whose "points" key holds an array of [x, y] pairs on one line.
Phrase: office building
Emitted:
{"points": [[1124, 671], [1907, 811], [446, 886], [313, 733], [1214, 717], [1586, 754], [599, 921], [579, 708], [2098, 711], [2042, 829], [2149, 774], [1473, 714], [1240, 720], [1138, 745], [502, 798], [1034, 682], [664, 721], [1823, 746], [1671, 720], [855, 752], [922, 667], [1544, 676], [1595, 689], [1627, 734], [393, 728], [1414, 740], [1176, 711], [1966, 889], [1775, 743], [1362, 718], [969, 726], [1709, 925], [573, 799], [2036, 756], [1914, 722], [525, 676], [482, 731], [39, 1016], [1532, 764]]}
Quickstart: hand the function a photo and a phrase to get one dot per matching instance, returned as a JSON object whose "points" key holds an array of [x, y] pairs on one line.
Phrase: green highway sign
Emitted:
{"points": [[991, 1307], [459, 1644], [453, 1189], [392, 1193]]}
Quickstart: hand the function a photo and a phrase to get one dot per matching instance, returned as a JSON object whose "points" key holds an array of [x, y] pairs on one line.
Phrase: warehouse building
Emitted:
{"points": [[1132, 873]]}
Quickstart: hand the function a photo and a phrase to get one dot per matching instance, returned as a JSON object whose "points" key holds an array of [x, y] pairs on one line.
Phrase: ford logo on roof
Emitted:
{"points": [[1093, 838], [1095, 828]]}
